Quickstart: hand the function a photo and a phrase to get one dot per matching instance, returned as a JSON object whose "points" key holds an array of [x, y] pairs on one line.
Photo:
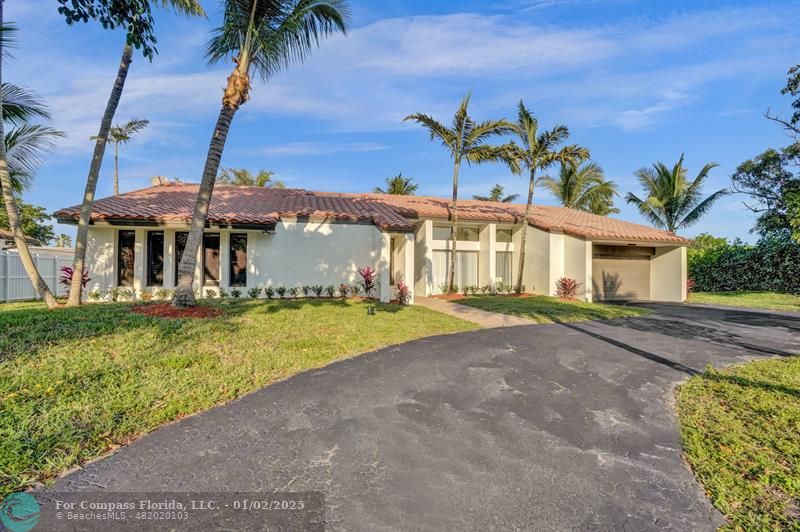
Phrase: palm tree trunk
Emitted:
{"points": [[184, 293], [94, 173], [451, 275], [13, 218], [116, 168], [528, 209]]}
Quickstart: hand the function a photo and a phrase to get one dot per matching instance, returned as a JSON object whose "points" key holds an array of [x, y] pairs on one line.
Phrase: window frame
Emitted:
{"points": [[214, 282], [131, 233], [147, 273], [232, 261]]}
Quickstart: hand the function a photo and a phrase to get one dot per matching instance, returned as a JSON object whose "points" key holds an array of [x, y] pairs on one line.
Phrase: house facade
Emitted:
{"points": [[260, 237]]}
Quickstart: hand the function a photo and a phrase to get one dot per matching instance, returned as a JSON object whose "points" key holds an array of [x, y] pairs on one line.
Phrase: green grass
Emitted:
{"points": [[75, 383], [765, 300], [543, 309], [741, 435]]}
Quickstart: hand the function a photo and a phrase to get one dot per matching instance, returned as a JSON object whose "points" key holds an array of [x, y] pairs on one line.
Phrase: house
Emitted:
{"points": [[257, 237], [7, 240]]}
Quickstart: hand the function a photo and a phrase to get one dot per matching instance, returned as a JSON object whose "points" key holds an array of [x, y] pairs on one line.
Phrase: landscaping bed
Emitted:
{"points": [[740, 436], [761, 300], [75, 383], [544, 309]]}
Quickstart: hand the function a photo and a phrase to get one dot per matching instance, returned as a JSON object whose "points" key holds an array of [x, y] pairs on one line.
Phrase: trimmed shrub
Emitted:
{"points": [[306, 290], [254, 293], [223, 293], [344, 289], [269, 292], [567, 288], [236, 293], [281, 291], [330, 290], [318, 289], [294, 291], [771, 265]]}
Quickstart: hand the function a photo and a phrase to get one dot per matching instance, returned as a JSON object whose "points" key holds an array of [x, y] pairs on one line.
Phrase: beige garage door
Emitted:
{"points": [[621, 273]]}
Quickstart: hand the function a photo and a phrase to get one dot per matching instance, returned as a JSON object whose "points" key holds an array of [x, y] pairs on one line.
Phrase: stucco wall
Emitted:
{"points": [[537, 260], [668, 274], [578, 265], [101, 258]]}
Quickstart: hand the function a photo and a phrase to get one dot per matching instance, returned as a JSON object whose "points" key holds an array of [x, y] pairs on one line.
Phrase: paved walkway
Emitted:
{"points": [[484, 318], [547, 427]]}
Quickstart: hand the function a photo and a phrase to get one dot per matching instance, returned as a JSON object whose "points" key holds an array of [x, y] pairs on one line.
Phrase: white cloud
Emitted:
{"points": [[294, 149]]}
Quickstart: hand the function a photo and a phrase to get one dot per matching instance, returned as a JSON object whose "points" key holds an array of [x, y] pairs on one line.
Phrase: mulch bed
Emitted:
{"points": [[166, 310]]}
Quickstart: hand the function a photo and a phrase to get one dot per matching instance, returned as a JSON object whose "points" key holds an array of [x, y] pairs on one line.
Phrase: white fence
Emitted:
{"points": [[14, 283]]}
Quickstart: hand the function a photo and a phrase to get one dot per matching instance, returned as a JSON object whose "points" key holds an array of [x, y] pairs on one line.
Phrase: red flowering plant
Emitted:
{"points": [[368, 279], [567, 288], [66, 277], [403, 294]]}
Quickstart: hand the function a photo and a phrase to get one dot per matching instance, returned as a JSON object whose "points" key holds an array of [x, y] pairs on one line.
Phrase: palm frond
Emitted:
{"points": [[483, 131], [435, 128], [8, 32], [26, 146], [190, 8], [21, 105], [646, 210], [702, 208]]}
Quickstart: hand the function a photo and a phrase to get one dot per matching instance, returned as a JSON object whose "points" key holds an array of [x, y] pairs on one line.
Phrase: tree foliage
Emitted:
{"points": [[772, 264], [582, 187], [497, 194], [33, 220], [245, 178], [673, 202], [398, 186]]}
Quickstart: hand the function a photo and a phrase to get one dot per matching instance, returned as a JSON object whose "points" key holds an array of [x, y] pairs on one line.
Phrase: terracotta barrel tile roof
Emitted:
{"points": [[266, 206]]}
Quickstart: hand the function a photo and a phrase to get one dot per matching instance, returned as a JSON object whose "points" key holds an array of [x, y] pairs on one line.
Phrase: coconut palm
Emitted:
{"points": [[244, 178], [263, 36], [121, 134], [496, 194], [672, 201], [466, 142], [582, 187], [28, 148], [398, 186], [538, 151], [135, 16]]}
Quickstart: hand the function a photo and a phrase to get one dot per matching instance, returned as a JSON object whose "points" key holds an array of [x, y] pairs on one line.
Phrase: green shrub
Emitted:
{"points": [[269, 292], [211, 293], [306, 290], [771, 265], [294, 291], [355, 289], [344, 289], [281, 291], [236, 293], [254, 293], [95, 295], [317, 288], [330, 290], [223, 293]]}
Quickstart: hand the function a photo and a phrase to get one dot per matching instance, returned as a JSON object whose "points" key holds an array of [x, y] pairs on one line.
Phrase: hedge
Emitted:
{"points": [[772, 264]]}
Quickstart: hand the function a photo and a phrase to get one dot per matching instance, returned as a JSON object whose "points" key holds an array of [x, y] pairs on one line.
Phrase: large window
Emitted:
{"points": [[211, 259], [502, 267], [126, 240], [180, 245], [466, 269], [238, 258], [155, 258]]}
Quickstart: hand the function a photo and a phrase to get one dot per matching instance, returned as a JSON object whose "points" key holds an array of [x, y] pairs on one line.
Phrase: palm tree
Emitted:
{"points": [[582, 187], [135, 17], [398, 186], [63, 241], [121, 134], [466, 141], [539, 151], [265, 36], [496, 194], [20, 156], [672, 201], [244, 178]]}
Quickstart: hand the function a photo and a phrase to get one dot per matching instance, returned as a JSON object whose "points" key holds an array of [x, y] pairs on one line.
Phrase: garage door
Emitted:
{"points": [[621, 273]]}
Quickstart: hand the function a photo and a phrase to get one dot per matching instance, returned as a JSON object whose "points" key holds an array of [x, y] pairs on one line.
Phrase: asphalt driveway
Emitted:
{"points": [[525, 428]]}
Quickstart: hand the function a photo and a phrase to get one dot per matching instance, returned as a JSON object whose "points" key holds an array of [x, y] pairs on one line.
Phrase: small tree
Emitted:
{"points": [[368, 279]]}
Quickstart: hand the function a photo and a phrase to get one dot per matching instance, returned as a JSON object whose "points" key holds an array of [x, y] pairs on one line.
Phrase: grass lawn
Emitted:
{"points": [[544, 309], [75, 383], [741, 435], [766, 300]]}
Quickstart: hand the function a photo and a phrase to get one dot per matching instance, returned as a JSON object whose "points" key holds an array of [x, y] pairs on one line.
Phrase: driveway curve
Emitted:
{"points": [[525, 428]]}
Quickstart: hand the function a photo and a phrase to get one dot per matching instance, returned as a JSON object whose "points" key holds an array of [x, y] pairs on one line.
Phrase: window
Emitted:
{"points": [[211, 259], [155, 258], [180, 245], [504, 235], [126, 241], [502, 268], [238, 259], [463, 234], [466, 269], [441, 232]]}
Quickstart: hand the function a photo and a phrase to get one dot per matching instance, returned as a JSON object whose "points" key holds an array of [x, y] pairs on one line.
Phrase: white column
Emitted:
{"points": [[408, 265], [383, 267], [556, 262], [587, 283], [487, 265], [427, 232], [139, 270], [224, 259]]}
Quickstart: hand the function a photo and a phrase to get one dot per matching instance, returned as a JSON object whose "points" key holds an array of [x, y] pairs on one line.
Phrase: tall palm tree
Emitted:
{"points": [[496, 194], [244, 178], [672, 201], [20, 156], [537, 152], [398, 186], [582, 187], [121, 134], [264, 36], [135, 16], [466, 142]]}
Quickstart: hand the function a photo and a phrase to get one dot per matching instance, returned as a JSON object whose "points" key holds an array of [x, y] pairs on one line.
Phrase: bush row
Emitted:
{"points": [[772, 264]]}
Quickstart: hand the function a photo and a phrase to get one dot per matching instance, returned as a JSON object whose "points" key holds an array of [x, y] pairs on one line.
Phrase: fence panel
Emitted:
{"points": [[14, 282]]}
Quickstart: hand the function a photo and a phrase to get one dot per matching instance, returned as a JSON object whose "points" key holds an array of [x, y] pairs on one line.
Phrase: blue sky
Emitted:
{"points": [[636, 82]]}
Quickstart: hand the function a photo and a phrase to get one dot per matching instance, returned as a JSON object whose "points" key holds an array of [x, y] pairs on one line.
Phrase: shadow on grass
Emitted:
{"points": [[749, 383]]}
